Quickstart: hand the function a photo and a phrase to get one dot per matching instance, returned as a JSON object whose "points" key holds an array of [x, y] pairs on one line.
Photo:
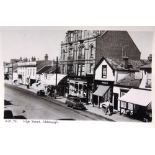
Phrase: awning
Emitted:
{"points": [[137, 96], [101, 90], [52, 79]]}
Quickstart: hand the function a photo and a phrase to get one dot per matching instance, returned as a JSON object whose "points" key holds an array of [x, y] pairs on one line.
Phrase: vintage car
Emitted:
{"points": [[75, 103]]}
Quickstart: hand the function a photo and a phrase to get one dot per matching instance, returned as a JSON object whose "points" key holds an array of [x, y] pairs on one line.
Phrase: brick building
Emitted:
{"points": [[83, 49]]}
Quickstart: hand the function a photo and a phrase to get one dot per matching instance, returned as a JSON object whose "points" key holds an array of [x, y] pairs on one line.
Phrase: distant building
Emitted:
{"points": [[83, 49], [26, 71], [10, 68], [29, 70]]}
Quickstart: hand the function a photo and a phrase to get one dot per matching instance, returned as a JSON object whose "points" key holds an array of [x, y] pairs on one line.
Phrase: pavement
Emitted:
{"points": [[116, 117]]}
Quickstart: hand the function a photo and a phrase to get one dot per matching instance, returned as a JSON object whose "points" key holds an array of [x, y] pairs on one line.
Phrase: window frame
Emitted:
{"points": [[103, 75]]}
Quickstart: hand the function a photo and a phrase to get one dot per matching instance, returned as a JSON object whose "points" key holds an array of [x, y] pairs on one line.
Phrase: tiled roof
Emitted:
{"points": [[42, 63], [119, 64], [146, 66], [46, 69], [129, 81]]}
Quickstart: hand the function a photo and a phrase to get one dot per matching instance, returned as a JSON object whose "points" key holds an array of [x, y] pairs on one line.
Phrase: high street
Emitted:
{"points": [[32, 106]]}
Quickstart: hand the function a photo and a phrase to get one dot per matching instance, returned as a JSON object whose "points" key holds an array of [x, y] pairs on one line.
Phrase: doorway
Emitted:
{"points": [[115, 101]]}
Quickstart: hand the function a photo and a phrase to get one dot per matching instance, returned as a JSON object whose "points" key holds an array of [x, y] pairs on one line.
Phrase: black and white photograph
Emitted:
{"points": [[77, 77], [72, 74]]}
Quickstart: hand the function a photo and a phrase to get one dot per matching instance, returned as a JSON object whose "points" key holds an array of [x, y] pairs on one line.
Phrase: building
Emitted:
{"points": [[83, 49], [120, 82], [26, 71], [10, 69], [44, 67], [146, 71], [30, 70], [113, 78]]}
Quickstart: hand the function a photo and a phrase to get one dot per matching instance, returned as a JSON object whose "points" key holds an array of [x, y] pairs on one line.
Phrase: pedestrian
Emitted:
{"points": [[110, 109], [107, 104]]}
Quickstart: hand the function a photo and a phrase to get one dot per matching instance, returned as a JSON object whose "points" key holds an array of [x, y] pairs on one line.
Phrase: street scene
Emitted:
{"points": [[72, 75]]}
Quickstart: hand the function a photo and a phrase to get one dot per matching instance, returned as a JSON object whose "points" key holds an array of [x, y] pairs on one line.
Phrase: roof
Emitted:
{"points": [[148, 66], [119, 64], [129, 81], [137, 96], [42, 63], [52, 79], [46, 69], [101, 90]]}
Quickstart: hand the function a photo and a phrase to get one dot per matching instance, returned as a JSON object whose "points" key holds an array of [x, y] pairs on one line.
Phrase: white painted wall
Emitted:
{"points": [[145, 76], [98, 73], [15, 76], [120, 75]]}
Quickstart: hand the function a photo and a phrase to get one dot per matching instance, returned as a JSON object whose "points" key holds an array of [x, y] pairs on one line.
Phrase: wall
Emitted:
{"points": [[74, 50], [111, 43], [119, 75], [98, 72], [145, 76]]}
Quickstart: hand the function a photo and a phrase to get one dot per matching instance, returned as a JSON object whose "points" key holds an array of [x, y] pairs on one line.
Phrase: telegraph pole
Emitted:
{"points": [[56, 76]]}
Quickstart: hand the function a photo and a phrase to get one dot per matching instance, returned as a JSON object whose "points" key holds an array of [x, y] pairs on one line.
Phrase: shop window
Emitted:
{"points": [[104, 71]]}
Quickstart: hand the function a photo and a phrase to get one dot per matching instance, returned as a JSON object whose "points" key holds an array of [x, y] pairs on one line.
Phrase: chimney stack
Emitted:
{"points": [[125, 58], [46, 57]]}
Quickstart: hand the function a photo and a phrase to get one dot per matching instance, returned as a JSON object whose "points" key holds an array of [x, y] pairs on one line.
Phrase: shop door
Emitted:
{"points": [[115, 101]]}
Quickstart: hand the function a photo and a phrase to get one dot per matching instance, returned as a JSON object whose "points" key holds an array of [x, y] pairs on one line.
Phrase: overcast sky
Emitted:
{"points": [[28, 43]]}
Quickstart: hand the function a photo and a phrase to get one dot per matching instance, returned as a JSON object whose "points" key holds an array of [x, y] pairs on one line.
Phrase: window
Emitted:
{"points": [[81, 70], [91, 51], [33, 72], [104, 71], [70, 69], [63, 69], [91, 69], [63, 54]]}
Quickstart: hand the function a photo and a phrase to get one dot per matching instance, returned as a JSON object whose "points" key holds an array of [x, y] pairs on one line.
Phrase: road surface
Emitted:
{"points": [[32, 106]]}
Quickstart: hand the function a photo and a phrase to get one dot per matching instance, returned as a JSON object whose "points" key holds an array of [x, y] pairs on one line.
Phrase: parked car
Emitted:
{"points": [[75, 103], [9, 115], [41, 92]]}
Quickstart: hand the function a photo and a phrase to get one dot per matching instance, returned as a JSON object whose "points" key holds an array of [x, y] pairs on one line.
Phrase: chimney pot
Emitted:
{"points": [[46, 57]]}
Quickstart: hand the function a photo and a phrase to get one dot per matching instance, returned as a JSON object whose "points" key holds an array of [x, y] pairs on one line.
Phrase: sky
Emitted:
{"points": [[28, 43]]}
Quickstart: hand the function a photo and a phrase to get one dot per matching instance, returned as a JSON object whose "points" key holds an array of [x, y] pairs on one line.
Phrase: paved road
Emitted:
{"points": [[33, 107]]}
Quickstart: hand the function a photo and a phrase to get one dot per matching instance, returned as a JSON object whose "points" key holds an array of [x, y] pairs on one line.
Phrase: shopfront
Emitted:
{"points": [[103, 92], [77, 88], [136, 103]]}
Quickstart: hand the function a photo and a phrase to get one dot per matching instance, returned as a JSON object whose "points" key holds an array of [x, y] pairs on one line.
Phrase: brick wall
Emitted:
{"points": [[111, 44]]}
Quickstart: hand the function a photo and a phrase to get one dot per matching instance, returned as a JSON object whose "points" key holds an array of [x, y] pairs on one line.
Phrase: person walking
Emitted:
{"points": [[107, 104]]}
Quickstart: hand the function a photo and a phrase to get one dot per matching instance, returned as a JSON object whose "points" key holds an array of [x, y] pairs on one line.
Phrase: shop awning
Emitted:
{"points": [[137, 96], [52, 79], [101, 90]]}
